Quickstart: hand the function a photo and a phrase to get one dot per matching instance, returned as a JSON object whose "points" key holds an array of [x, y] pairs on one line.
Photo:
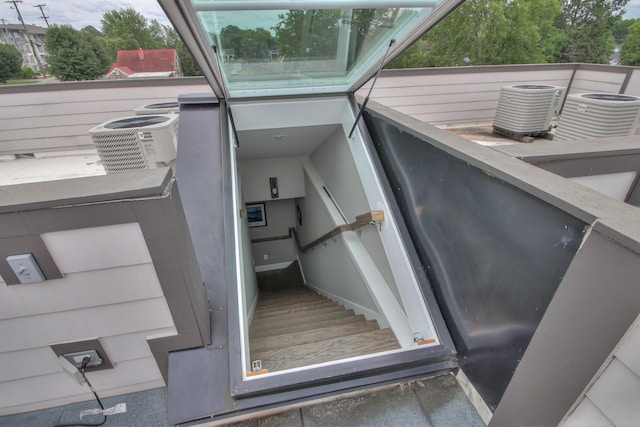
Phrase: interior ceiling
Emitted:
{"points": [[282, 142]]}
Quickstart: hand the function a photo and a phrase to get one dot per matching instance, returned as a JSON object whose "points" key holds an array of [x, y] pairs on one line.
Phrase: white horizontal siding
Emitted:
{"points": [[89, 289], [54, 120], [97, 248], [56, 389], [125, 318], [109, 291], [586, 81], [633, 87], [39, 361]]}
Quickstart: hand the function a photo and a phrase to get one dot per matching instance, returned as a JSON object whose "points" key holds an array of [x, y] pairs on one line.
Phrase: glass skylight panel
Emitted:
{"points": [[295, 47]]}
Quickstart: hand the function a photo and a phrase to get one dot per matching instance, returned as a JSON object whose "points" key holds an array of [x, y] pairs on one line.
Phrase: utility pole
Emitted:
{"points": [[40, 6], [36, 54]]}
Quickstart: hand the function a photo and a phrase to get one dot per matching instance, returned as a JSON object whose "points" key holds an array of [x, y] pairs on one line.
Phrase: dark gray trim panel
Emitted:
{"points": [[476, 69], [103, 84], [583, 157], [93, 189]]}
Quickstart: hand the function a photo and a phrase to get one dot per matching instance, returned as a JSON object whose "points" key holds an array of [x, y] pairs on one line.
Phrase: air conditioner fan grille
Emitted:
{"points": [[119, 151]]}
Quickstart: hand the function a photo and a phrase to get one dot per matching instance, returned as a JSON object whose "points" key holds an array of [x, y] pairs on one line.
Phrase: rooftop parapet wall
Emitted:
{"points": [[57, 116], [455, 96]]}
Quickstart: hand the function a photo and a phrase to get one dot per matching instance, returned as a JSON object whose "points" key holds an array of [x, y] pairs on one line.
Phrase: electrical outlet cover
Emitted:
{"points": [[26, 268]]}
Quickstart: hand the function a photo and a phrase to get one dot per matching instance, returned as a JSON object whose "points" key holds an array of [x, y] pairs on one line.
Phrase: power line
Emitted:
{"points": [[40, 6]]}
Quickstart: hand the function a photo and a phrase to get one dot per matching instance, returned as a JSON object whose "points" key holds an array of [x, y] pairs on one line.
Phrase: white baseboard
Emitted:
{"points": [[358, 309], [269, 267]]}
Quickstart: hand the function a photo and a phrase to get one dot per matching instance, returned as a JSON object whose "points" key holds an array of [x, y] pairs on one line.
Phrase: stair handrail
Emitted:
{"points": [[373, 217]]}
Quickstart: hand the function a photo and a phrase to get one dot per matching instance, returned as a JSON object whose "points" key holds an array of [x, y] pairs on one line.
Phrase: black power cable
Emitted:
{"points": [[85, 362]]}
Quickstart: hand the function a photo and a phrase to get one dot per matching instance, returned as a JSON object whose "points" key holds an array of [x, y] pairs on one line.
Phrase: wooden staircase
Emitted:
{"points": [[296, 327]]}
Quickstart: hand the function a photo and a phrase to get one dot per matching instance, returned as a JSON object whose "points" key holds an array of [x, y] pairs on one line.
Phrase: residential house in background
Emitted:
{"points": [[141, 63], [14, 34]]}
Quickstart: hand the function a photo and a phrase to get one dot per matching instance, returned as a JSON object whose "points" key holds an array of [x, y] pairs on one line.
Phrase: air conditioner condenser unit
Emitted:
{"points": [[166, 107], [527, 109], [136, 142], [598, 115]]}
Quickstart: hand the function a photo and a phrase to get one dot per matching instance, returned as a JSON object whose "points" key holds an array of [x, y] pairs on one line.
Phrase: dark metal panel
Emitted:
{"points": [[103, 84], [493, 253], [633, 197], [199, 378], [172, 251]]}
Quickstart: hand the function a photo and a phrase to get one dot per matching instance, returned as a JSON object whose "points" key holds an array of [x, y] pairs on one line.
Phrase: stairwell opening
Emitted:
{"points": [[306, 299]]}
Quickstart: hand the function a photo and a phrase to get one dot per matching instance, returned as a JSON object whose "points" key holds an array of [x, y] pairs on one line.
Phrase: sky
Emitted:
{"points": [[80, 13]]}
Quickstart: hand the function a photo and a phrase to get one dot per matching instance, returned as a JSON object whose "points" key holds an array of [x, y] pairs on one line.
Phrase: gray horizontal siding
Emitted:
{"points": [[58, 116], [469, 95]]}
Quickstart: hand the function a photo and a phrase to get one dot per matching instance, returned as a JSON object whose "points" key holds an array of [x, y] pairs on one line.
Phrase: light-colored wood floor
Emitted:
{"points": [[296, 327]]}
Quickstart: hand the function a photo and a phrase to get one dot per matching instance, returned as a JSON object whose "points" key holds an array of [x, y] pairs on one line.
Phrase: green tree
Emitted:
{"points": [[621, 28], [131, 27], [72, 55], [97, 43], [587, 27], [308, 33], [10, 61], [484, 32], [26, 73], [187, 61], [630, 52]]}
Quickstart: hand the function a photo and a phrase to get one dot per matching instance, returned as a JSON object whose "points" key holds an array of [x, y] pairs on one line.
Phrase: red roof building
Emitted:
{"points": [[146, 63]]}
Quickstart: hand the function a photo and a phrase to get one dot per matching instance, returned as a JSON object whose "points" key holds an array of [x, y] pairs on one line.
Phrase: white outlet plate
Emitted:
{"points": [[26, 268]]}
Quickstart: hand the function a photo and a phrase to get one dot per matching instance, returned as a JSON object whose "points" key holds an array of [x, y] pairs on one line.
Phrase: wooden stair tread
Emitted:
{"points": [[294, 323], [285, 293], [312, 335], [324, 321], [292, 308], [298, 316], [327, 350], [289, 300]]}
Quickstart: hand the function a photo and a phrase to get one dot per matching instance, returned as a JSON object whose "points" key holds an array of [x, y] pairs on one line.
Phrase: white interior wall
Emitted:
{"points": [[280, 217], [327, 268], [334, 162], [109, 291], [616, 185], [255, 176]]}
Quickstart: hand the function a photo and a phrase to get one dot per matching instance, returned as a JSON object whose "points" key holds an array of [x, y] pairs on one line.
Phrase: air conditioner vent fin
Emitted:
{"points": [[598, 115], [150, 144], [527, 109]]}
